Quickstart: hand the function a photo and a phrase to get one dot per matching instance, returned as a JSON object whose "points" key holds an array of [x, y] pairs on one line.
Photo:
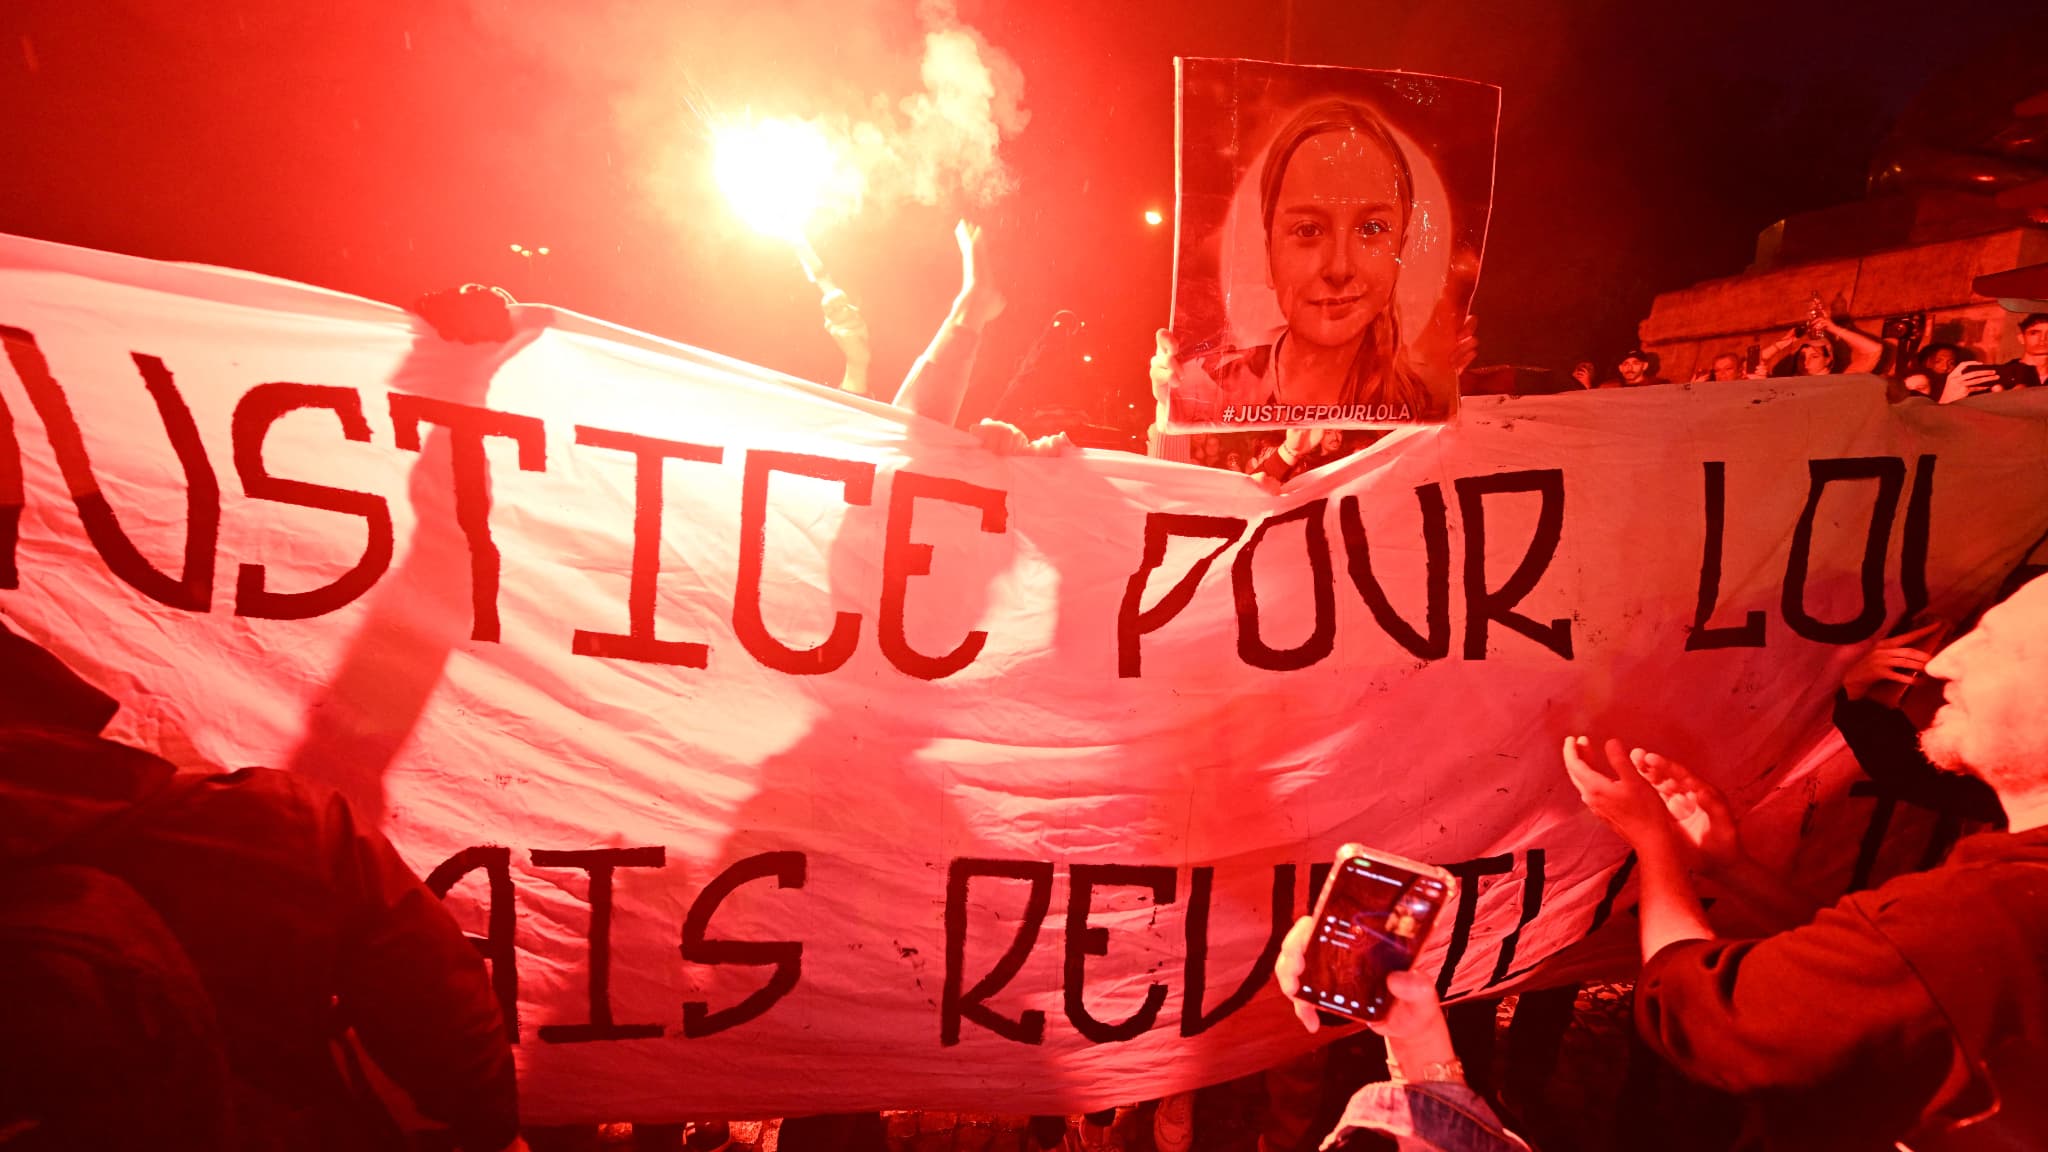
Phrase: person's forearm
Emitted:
{"points": [[1416, 1055], [856, 378], [1864, 351], [937, 384], [1276, 466], [1669, 908]]}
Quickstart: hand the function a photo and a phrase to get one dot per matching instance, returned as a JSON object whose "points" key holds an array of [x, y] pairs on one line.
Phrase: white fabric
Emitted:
{"points": [[1037, 750]]}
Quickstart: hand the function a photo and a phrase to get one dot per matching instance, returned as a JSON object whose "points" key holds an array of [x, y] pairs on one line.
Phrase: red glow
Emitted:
{"points": [[778, 175]]}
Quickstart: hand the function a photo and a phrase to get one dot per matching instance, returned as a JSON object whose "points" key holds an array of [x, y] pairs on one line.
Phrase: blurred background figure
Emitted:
{"points": [[1931, 368]]}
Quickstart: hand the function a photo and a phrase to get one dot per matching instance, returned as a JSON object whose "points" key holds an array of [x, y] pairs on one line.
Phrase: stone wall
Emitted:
{"points": [[1687, 328]]}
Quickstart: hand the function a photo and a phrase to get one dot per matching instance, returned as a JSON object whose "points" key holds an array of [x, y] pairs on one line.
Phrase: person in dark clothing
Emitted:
{"points": [[107, 1037], [301, 924], [1881, 707], [1635, 371], [1886, 745], [2029, 369], [1916, 1012]]}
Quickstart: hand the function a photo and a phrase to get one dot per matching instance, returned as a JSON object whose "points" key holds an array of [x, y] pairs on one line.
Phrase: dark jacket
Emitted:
{"points": [[1898, 1014], [299, 921], [1887, 747]]}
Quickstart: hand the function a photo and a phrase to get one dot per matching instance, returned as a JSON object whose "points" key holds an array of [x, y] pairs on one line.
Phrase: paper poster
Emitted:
{"points": [[1331, 223]]}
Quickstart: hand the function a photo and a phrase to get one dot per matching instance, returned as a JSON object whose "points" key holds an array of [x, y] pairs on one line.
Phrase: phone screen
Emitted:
{"points": [[1372, 920]]}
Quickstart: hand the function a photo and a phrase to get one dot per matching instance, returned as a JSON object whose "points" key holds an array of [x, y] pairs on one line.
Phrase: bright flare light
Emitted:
{"points": [[778, 174], [1154, 217]]}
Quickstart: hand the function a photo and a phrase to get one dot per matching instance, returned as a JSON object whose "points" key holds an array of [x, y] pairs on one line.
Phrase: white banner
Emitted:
{"points": [[792, 754]]}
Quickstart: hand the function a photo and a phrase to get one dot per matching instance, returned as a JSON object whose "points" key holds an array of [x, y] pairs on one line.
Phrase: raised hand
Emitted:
{"points": [[1179, 385], [1009, 440], [1627, 801], [471, 314], [1697, 807], [844, 322], [1468, 345], [1897, 660], [979, 301]]}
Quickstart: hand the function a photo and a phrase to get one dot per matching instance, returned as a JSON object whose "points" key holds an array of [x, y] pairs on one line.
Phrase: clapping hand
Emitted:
{"points": [[1698, 808], [1627, 801]]}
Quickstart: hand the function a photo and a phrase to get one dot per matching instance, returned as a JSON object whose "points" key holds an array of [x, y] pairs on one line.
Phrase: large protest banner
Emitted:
{"points": [[789, 753]]}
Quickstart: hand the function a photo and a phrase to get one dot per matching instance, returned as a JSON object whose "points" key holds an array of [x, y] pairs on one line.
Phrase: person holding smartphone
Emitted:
{"points": [[2027, 370], [1426, 1106]]}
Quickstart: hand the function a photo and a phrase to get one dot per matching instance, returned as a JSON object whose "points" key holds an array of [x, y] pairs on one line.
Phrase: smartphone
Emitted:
{"points": [[1374, 914], [2014, 375], [2010, 376]]}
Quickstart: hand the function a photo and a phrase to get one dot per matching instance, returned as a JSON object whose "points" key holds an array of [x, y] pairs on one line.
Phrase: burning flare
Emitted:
{"points": [[782, 175]]}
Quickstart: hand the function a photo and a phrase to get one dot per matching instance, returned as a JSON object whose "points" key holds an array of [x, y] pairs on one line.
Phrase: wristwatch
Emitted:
{"points": [[1450, 1071]]}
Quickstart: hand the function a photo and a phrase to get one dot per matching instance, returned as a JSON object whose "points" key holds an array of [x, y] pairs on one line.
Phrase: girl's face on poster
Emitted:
{"points": [[1333, 253]]}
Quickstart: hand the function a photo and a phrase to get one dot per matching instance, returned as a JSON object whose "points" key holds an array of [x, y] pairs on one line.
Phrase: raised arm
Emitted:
{"points": [[1168, 380], [1775, 351], [1630, 804], [1864, 351], [937, 383], [1708, 828], [849, 330]]}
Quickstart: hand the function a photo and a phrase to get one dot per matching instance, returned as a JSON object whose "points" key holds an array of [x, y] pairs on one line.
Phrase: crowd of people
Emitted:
{"points": [[1941, 371], [220, 951]]}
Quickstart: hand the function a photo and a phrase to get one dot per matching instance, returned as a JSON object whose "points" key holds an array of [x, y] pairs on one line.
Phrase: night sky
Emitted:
{"points": [[387, 147]]}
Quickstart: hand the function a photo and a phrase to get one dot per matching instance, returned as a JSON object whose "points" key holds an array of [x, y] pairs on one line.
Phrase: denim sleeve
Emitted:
{"points": [[1441, 1116]]}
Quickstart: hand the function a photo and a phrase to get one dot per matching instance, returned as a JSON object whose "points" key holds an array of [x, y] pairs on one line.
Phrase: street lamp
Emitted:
{"points": [[532, 257]]}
